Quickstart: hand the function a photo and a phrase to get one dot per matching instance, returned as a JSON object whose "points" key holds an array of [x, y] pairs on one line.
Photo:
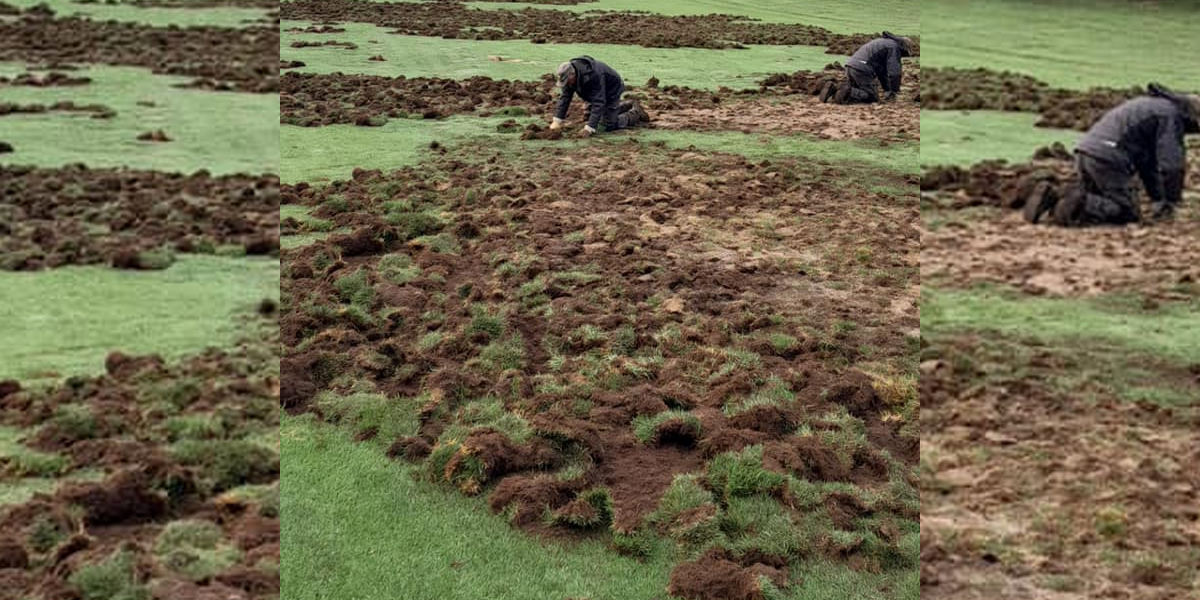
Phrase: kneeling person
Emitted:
{"points": [[1144, 137], [878, 59], [601, 87]]}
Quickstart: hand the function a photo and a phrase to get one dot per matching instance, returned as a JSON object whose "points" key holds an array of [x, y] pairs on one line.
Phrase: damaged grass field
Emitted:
{"points": [[1059, 366], [139, 379], [672, 362]]}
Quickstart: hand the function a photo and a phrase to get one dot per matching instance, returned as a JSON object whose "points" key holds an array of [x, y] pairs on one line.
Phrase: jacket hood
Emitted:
{"points": [[1188, 104], [904, 42]]}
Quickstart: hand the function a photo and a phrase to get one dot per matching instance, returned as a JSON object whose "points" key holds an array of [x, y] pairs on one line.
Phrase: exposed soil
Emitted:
{"points": [[1036, 494], [305, 44], [719, 576], [998, 246], [75, 215], [157, 135], [219, 58], [597, 267], [783, 104], [455, 20], [143, 483], [97, 111], [51, 79], [983, 89]]}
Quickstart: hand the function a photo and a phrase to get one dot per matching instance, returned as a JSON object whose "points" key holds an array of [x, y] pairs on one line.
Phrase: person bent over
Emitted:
{"points": [[601, 87], [878, 59], [1141, 138]]}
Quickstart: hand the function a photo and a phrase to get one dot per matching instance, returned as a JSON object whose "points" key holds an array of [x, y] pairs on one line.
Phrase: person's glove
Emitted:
{"points": [[889, 97], [587, 131], [556, 123]]}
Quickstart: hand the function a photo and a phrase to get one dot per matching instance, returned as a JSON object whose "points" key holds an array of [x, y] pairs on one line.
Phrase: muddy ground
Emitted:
{"points": [[584, 290], [1031, 491], [1037, 481], [783, 104], [155, 461], [51, 79], [76, 215], [219, 58], [456, 20], [984, 89], [980, 236]]}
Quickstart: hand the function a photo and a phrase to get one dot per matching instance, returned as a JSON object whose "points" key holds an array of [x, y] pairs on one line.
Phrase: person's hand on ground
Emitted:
{"points": [[556, 123]]}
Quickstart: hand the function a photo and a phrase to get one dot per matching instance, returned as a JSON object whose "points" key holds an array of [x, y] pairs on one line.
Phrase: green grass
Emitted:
{"points": [[317, 154], [835, 581], [1170, 333], [65, 321], [1117, 346], [417, 56], [842, 16], [160, 17], [1069, 43], [244, 139], [357, 525], [952, 137]]}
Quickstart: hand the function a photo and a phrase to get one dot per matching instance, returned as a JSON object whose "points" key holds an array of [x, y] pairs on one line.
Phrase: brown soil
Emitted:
{"points": [[143, 486], [456, 20], [219, 58], [157, 135], [97, 111], [719, 576], [304, 44], [1036, 494], [670, 245], [998, 246], [783, 105], [76, 215], [983, 89], [51, 79]]}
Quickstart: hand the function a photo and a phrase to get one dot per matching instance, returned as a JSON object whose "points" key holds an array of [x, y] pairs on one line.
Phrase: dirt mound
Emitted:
{"points": [[456, 20], [313, 100], [220, 58], [157, 135], [718, 576], [76, 215], [984, 89], [152, 473], [545, 308], [97, 111], [304, 44], [1019, 524], [51, 79]]}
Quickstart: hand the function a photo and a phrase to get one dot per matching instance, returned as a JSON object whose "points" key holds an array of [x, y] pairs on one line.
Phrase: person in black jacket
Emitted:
{"points": [[1143, 137], [878, 59], [601, 87]]}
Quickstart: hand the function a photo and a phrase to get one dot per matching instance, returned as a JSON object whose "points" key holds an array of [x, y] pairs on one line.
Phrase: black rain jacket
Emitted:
{"points": [[1145, 136], [597, 84], [881, 56]]}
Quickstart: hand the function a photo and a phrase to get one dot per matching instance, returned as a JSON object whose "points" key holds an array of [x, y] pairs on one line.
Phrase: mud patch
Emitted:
{"points": [[76, 215], [456, 20]]}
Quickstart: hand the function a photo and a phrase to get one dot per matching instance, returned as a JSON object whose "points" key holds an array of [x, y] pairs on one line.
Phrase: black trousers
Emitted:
{"points": [[1106, 195], [862, 86]]}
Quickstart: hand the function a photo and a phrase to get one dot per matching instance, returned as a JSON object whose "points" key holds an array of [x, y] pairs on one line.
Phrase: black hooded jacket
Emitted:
{"points": [[597, 84], [881, 56], [1145, 136]]}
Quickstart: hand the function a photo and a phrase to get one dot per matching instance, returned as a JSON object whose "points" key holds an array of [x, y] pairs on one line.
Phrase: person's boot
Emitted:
{"points": [[1162, 213], [827, 91], [843, 93], [1042, 200], [643, 117]]}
